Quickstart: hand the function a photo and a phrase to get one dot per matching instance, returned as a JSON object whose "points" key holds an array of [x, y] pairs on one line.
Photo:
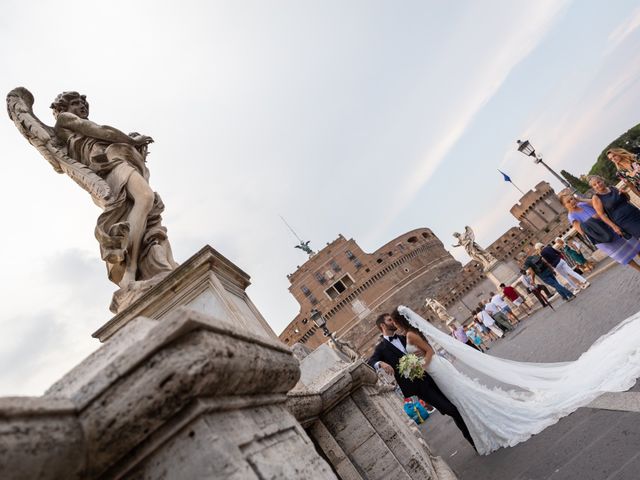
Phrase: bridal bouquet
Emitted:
{"points": [[411, 367]]}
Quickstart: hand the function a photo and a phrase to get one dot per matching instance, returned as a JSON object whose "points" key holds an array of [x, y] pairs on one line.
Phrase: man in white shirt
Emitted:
{"points": [[500, 318], [503, 306]]}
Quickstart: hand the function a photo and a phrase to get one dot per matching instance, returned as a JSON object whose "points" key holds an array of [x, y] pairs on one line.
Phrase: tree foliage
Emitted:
{"points": [[577, 183]]}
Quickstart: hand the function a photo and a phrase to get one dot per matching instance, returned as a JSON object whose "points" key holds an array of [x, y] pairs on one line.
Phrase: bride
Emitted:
{"points": [[530, 396]]}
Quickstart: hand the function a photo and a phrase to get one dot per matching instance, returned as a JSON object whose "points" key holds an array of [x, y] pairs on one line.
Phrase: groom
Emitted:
{"points": [[387, 355]]}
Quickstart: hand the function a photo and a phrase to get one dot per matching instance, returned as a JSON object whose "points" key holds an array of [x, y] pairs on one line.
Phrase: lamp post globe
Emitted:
{"points": [[527, 149]]}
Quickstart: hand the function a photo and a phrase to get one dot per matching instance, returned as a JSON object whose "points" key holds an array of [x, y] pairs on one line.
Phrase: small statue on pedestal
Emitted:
{"points": [[475, 251]]}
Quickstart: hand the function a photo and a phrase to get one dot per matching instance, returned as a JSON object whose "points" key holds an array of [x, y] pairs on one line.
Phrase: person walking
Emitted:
{"points": [[474, 336], [536, 289], [488, 321], [457, 332], [500, 318], [554, 258], [615, 209], [483, 331], [585, 220], [575, 255], [514, 297], [536, 265], [498, 301]]}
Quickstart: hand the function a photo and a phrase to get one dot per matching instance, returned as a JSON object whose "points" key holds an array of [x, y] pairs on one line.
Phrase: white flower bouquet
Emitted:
{"points": [[411, 366]]}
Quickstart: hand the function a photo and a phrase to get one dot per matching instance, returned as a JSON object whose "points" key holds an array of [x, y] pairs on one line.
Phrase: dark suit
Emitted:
{"points": [[426, 389]]}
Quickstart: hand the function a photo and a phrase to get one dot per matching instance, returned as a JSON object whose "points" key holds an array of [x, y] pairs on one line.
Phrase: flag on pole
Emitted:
{"points": [[506, 177]]}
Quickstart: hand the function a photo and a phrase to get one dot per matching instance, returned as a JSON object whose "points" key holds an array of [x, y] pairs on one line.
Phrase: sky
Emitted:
{"points": [[363, 118]]}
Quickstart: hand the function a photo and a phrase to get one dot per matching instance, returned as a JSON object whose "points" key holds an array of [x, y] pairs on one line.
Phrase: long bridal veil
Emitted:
{"points": [[611, 364]]}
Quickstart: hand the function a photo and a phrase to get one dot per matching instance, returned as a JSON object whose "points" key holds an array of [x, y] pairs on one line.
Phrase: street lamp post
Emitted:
{"points": [[527, 149], [341, 346]]}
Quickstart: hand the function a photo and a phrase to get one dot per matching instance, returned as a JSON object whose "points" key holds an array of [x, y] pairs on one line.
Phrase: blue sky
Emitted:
{"points": [[366, 118]]}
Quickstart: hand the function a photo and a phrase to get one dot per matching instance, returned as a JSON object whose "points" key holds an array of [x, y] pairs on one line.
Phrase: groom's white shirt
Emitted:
{"points": [[396, 343]]}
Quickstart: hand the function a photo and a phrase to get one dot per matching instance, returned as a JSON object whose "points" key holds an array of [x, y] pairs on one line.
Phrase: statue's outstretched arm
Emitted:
{"points": [[88, 128]]}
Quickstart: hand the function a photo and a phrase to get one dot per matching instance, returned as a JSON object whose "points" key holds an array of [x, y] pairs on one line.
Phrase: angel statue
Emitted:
{"points": [[439, 310], [475, 251], [111, 166], [304, 246]]}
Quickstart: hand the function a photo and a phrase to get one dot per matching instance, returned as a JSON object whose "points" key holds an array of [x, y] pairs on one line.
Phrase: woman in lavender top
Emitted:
{"points": [[621, 250]]}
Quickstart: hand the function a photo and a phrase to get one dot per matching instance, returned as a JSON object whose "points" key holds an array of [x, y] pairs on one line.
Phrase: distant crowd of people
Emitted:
{"points": [[608, 220]]}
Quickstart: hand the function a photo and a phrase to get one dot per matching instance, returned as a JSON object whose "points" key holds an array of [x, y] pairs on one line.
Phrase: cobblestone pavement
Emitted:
{"points": [[588, 444]]}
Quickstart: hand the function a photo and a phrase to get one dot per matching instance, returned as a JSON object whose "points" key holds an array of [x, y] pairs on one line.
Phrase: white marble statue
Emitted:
{"points": [[475, 251], [111, 166], [439, 310]]}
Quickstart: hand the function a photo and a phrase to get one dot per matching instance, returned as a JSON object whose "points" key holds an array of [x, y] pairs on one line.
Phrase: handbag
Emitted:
{"points": [[598, 231]]}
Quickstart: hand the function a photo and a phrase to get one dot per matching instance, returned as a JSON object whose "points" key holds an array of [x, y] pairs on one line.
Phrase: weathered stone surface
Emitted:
{"points": [[267, 443], [359, 424], [207, 283], [300, 351], [189, 395], [40, 439]]}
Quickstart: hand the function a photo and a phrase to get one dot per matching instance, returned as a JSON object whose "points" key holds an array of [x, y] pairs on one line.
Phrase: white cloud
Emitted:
{"points": [[622, 31], [519, 40]]}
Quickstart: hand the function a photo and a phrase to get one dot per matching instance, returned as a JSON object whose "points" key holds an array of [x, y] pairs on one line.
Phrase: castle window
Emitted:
{"points": [[340, 286], [357, 263], [320, 278], [390, 254], [335, 266], [349, 254], [412, 239], [305, 290], [379, 260]]}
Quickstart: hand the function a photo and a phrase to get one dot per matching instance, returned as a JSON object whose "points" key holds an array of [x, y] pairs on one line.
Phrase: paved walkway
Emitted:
{"points": [[592, 443]]}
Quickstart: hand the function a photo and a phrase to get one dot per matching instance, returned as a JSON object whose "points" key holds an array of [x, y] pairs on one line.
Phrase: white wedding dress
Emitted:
{"points": [[532, 396]]}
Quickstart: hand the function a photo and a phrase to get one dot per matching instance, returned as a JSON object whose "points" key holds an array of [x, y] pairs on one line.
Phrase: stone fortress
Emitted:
{"points": [[351, 288]]}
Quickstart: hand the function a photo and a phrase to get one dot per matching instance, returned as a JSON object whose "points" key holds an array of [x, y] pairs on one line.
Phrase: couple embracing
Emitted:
{"points": [[522, 398], [400, 338]]}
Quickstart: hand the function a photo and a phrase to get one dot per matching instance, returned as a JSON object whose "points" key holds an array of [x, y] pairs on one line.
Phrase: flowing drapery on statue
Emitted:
{"points": [[529, 397], [111, 166]]}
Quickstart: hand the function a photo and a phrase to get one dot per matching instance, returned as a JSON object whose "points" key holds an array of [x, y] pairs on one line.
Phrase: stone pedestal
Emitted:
{"points": [[187, 397], [503, 272], [207, 283], [358, 423]]}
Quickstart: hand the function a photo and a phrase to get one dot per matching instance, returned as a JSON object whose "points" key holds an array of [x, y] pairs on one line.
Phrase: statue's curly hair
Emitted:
{"points": [[61, 102]]}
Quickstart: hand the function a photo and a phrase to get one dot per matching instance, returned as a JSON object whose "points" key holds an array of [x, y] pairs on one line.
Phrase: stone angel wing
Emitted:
{"points": [[468, 233], [20, 108]]}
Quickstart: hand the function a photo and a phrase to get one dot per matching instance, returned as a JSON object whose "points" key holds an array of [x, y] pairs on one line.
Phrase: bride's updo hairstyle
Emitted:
{"points": [[404, 324]]}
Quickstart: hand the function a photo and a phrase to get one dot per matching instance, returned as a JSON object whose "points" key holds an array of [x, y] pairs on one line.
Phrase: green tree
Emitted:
{"points": [[577, 183]]}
